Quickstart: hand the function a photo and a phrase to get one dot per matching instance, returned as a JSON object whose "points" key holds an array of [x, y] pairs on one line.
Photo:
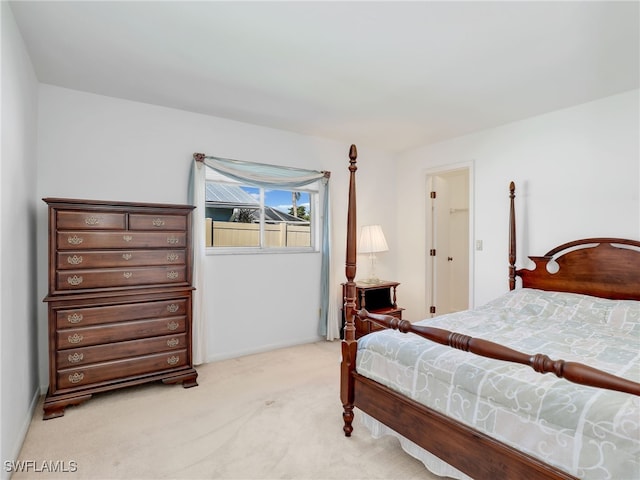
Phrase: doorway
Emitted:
{"points": [[448, 229]]}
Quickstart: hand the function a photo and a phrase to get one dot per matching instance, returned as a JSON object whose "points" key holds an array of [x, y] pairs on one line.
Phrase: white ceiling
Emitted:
{"points": [[389, 75]]}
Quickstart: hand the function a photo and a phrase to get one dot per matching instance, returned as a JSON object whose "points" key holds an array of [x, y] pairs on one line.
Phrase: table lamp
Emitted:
{"points": [[372, 241]]}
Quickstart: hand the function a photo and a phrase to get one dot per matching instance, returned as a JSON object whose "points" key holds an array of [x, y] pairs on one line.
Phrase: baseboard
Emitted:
{"points": [[261, 349]]}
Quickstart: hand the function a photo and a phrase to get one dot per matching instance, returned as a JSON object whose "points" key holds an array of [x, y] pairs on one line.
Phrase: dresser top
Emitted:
{"points": [[81, 203]]}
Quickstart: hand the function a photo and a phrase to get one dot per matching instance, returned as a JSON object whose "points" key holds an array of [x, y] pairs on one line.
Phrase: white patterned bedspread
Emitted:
{"points": [[587, 432]]}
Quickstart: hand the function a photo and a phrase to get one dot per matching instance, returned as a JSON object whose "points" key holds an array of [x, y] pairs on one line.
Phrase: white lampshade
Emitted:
{"points": [[372, 240]]}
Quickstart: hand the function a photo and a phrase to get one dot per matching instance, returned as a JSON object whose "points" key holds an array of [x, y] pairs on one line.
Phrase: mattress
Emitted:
{"points": [[587, 432]]}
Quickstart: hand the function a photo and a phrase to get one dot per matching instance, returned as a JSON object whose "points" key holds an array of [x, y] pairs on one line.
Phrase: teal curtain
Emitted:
{"points": [[273, 176], [199, 305]]}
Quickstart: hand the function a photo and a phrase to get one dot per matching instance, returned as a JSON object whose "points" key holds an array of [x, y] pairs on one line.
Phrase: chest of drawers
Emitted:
{"points": [[119, 301]]}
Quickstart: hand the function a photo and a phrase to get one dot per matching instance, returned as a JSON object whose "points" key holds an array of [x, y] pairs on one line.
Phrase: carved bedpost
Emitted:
{"points": [[512, 237], [349, 344]]}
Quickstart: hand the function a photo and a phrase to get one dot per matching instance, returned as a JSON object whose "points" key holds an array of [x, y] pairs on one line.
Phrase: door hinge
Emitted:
{"points": [[432, 194], [432, 252], [432, 309]]}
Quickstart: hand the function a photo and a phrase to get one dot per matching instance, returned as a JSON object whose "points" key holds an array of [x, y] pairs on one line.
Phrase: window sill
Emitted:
{"points": [[257, 251]]}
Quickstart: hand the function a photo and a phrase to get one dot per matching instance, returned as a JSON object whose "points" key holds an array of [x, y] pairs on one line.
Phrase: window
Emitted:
{"points": [[260, 180], [253, 218]]}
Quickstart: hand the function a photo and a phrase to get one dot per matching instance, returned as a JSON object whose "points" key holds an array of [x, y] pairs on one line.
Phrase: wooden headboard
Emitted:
{"points": [[603, 267]]}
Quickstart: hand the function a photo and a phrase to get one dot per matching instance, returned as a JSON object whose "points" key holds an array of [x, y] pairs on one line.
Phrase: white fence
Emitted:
{"points": [[234, 234]]}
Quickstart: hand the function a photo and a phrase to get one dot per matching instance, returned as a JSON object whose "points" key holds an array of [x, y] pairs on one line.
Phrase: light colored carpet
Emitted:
{"points": [[273, 415]]}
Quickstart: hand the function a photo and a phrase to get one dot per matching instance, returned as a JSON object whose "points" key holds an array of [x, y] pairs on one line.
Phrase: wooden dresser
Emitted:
{"points": [[119, 298]]}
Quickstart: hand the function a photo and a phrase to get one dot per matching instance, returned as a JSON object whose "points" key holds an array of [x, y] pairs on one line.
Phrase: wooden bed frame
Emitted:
{"points": [[590, 266]]}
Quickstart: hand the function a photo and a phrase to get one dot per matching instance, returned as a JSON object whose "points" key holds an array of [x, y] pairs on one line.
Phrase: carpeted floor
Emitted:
{"points": [[274, 415]]}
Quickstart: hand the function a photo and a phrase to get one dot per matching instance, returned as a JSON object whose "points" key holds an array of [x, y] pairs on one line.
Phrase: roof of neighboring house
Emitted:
{"points": [[229, 195], [272, 214], [233, 196]]}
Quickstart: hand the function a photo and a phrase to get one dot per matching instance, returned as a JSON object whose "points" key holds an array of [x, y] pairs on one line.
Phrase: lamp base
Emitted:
{"points": [[371, 281], [373, 277]]}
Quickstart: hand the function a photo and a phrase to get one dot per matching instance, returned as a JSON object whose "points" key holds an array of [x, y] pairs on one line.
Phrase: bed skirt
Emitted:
{"points": [[430, 461]]}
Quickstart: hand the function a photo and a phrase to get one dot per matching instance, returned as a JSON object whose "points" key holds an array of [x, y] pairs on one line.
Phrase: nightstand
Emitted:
{"points": [[378, 298]]}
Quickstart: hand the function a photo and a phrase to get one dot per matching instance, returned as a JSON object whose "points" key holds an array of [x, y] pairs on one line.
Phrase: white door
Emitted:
{"points": [[448, 240]]}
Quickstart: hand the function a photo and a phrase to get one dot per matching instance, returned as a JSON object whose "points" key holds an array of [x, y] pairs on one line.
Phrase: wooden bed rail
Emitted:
{"points": [[572, 371]]}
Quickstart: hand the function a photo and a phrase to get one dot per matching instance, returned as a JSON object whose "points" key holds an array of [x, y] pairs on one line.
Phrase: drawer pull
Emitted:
{"points": [[127, 274], [75, 280], [76, 377], [172, 360], [127, 256], [172, 275], [173, 342], [172, 257], [173, 240], [127, 238], [91, 221], [158, 222], [76, 357], [75, 338], [172, 325], [173, 308], [75, 317], [74, 260], [75, 240]]}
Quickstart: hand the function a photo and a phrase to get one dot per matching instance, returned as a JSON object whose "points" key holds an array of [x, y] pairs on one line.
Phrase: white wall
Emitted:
{"points": [[577, 175], [19, 386], [97, 147]]}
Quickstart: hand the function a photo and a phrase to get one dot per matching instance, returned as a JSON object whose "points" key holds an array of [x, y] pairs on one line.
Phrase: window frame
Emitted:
{"points": [[314, 191]]}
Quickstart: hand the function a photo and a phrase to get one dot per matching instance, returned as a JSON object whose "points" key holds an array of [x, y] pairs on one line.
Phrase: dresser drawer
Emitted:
{"points": [[143, 221], [110, 258], [75, 357], [119, 277], [82, 239], [120, 369], [83, 317], [72, 220], [119, 332]]}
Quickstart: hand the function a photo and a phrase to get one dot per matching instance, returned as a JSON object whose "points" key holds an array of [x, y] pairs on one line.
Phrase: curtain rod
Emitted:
{"points": [[199, 157]]}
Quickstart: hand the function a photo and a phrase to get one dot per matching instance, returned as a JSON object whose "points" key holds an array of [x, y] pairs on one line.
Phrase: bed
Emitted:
{"points": [[465, 394]]}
